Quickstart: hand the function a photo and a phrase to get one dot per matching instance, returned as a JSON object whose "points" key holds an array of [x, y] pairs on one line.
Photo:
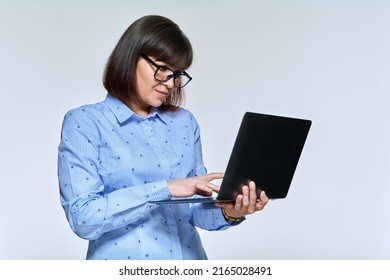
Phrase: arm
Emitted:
{"points": [[205, 216], [91, 208]]}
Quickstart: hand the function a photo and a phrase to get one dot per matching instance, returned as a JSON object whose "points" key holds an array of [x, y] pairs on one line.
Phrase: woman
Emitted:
{"points": [[138, 146]]}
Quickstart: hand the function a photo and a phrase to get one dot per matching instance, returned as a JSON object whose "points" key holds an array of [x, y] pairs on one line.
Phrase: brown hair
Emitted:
{"points": [[154, 36]]}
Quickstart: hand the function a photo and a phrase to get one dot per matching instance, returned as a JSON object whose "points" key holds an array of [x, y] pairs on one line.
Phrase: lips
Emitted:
{"points": [[165, 93]]}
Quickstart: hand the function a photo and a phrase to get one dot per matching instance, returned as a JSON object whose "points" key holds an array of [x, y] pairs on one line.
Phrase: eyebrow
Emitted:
{"points": [[166, 65]]}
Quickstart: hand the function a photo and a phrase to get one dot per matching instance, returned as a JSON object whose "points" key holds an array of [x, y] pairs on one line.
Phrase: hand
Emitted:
{"points": [[194, 185], [246, 203]]}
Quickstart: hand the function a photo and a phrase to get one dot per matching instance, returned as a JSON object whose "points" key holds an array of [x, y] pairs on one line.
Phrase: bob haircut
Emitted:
{"points": [[154, 36]]}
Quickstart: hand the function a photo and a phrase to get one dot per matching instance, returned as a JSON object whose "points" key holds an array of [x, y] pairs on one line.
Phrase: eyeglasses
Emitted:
{"points": [[164, 74]]}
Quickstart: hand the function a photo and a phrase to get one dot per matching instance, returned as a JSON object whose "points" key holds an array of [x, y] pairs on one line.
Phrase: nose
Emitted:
{"points": [[169, 84]]}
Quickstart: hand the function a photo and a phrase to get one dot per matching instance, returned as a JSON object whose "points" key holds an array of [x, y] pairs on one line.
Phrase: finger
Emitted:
{"points": [[259, 207], [213, 176], [238, 204], [245, 196], [252, 198], [264, 197], [262, 202], [203, 189], [252, 193], [203, 193], [213, 187]]}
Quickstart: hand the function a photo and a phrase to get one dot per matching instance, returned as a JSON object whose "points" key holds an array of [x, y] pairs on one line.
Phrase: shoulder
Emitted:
{"points": [[85, 114]]}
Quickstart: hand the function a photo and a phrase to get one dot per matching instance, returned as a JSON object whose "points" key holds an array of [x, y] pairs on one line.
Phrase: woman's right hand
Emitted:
{"points": [[194, 185]]}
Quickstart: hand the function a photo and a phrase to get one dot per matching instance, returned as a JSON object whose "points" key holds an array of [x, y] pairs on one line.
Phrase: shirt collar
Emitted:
{"points": [[124, 113]]}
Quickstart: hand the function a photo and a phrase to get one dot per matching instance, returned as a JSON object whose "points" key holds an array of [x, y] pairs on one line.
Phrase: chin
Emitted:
{"points": [[157, 104]]}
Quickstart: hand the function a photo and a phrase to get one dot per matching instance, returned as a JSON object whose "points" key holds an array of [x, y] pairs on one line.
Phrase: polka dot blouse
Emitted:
{"points": [[112, 163]]}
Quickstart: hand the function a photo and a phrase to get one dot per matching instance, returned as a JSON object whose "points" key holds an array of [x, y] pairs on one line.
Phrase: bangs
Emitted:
{"points": [[179, 58], [174, 49]]}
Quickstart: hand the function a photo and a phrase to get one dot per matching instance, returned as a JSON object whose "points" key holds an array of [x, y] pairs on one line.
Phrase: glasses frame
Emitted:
{"points": [[175, 74]]}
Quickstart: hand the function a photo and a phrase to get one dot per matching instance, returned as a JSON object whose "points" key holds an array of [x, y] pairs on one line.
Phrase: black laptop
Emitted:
{"points": [[267, 150]]}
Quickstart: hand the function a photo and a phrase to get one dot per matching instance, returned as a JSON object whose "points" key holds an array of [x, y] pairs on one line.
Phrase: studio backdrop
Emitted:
{"points": [[327, 61]]}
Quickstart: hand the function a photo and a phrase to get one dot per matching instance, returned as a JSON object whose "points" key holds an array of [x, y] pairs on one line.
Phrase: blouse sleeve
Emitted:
{"points": [[90, 210], [205, 215]]}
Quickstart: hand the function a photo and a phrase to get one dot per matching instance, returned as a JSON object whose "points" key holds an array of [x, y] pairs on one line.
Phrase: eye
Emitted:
{"points": [[163, 69]]}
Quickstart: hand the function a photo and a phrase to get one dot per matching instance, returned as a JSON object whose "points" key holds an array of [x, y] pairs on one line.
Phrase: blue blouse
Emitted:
{"points": [[112, 163]]}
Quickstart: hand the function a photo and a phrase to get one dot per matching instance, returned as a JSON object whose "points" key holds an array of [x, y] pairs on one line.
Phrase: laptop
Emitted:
{"points": [[266, 150]]}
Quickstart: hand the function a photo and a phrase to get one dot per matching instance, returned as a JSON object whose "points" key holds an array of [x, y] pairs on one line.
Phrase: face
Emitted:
{"points": [[151, 92]]}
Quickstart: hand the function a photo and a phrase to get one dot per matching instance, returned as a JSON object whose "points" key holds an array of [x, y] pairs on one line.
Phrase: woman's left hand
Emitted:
{"points": [[246, 203]]}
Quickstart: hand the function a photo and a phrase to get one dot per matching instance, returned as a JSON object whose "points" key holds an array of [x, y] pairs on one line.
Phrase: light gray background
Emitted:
{"points": [[328, 61]]}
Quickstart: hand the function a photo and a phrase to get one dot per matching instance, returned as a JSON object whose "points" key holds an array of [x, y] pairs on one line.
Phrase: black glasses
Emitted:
{"points": [[163, 74]]}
